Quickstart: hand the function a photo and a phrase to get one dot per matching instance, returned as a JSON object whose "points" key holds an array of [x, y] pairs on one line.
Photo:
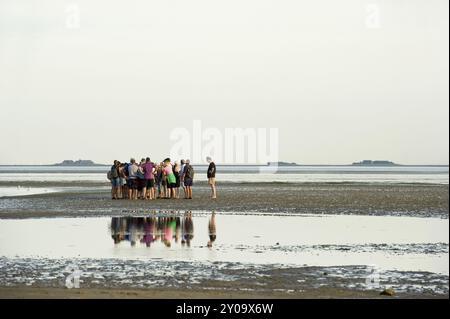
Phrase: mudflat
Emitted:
{"points": [[422, 200]]}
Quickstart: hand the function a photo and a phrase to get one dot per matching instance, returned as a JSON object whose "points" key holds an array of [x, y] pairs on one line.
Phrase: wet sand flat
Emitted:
{"points": [[424, 200], [30, 277], [160, 279]]}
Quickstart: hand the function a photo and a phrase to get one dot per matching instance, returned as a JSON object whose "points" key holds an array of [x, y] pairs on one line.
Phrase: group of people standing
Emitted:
{"points": [[148, 180]]}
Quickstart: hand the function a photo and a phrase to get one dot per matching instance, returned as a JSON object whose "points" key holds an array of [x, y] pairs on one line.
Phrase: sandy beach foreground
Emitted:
{"points": [[58, 293]]}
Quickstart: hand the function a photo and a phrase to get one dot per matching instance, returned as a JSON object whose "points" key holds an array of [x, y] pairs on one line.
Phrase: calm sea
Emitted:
{"points": [[289, 174]]}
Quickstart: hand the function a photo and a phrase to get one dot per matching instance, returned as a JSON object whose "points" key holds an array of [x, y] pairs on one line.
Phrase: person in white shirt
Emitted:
{"points": [[132, 179]]}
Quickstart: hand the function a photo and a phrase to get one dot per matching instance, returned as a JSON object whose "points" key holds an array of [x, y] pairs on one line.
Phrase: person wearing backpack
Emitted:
{"points": [[188, 177], [170, 176], [113, 175], [183, 164]]}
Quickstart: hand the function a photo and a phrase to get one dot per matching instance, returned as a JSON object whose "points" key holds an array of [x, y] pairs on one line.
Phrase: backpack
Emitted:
{"points": [[139, 174], [108, 175], [113, 172], [189, 172], [125, 170]]}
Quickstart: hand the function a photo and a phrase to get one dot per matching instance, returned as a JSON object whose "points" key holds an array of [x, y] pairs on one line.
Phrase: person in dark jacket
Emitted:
{"points": [[211, 174]]}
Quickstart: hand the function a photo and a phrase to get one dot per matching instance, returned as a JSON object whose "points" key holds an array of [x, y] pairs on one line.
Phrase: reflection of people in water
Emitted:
{"points": [[188, 228], [147, 230], [212, 229], [170, 224]]}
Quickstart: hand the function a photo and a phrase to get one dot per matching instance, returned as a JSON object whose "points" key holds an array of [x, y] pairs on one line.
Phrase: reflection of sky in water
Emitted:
{"points": [[23, 191], [402, 243]]}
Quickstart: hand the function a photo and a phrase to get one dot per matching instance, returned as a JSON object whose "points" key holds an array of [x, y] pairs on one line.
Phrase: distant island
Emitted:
{"points": [[77, 163], [282, 164], [375, 163]]}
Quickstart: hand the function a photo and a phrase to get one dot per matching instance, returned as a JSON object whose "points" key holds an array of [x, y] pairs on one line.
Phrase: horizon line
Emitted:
{"points": [[225, 164]]}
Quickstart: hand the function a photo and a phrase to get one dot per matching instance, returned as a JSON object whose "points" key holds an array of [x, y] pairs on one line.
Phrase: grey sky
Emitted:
{"points": [[337, 89]]}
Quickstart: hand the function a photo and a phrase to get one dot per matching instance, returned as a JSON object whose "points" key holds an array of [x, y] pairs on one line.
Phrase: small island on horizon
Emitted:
{"points": [[78, 163], [375, 163], [282, 164]]}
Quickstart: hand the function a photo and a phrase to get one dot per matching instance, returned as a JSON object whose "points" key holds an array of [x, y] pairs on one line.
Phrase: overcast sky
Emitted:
{"points": [[342, 80]]}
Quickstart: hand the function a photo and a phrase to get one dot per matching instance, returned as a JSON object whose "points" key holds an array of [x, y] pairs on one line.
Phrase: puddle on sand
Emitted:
{"points": [[24, 191], [400, 243]]}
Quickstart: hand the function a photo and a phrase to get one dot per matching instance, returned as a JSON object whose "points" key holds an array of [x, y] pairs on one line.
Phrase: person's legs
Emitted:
{"points": [[141, 188], [211, 187], [119, 189], [151, 190], [116, 190], [144, 190], [125, 191], [130, 189], [212, 183], [135, 191], [188, 184]]}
